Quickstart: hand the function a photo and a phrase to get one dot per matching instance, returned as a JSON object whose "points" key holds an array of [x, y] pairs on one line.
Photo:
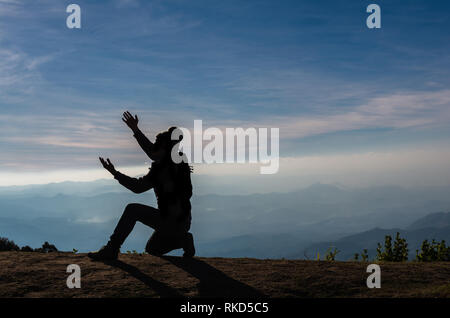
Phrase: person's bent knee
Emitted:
{"points": [[131, 210], [153, 251], [154, 245]]}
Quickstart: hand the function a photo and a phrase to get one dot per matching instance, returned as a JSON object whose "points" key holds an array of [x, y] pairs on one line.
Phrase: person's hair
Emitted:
{"points": [[166, 137]]}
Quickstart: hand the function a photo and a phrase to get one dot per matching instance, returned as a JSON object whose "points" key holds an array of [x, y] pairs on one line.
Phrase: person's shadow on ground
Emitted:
{"points": [[160, 288], [212, 282]]}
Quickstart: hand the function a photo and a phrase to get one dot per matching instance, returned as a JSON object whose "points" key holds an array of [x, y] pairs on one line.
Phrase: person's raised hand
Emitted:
{"points": [[108, 165], [131, 121]]}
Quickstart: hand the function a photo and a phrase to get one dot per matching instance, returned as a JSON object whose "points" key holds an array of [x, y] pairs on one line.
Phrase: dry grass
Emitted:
{"points": [[44, 275]]}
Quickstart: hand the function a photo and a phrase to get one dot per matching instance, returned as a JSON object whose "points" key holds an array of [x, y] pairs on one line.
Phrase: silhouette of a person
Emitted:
{"points": [[173, 189]]}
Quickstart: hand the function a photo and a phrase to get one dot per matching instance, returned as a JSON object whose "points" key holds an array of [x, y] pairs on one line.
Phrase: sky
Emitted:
{"points": [[354, 105]]}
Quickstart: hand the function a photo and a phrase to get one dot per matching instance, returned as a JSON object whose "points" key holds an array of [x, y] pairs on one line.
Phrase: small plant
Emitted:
{"points": [[364, 255], [400, 249], [74, 250], [47, 248], [385, 255], [434, 252], [128, 252], [331, 255], [443, 252], [26, 248], [7, 245], [396, 253], [134, 252]]}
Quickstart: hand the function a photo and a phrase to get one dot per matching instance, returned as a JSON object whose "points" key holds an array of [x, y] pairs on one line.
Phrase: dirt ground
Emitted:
{"points": [[25, 274]]}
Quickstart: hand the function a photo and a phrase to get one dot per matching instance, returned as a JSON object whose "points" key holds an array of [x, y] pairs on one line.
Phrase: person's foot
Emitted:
{"points": [[189, 249], [106, 253]]}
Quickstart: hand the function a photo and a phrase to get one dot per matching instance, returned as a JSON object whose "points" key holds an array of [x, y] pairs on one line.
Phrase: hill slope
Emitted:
{"points": [[44, 275], [436, 220]]}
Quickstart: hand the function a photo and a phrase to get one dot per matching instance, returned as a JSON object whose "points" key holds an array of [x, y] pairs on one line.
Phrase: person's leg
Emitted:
{"points": [[188, 245], [171, 236], [161, 243], [133, 212], [188, 239]]}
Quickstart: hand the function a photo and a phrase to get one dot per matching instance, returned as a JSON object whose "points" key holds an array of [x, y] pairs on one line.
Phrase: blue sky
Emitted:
{"points": [[312, 68]]}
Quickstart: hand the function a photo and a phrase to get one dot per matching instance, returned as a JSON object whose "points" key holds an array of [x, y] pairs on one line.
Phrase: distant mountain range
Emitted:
{"points": [[270, 225], [434, 220]]}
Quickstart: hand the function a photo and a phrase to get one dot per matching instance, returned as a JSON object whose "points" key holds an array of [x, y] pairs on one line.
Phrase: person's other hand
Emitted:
{"points": [[108, 165], [131, 121]]}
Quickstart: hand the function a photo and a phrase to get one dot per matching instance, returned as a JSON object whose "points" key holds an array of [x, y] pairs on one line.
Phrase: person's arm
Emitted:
{"points": [[137, 185], [142, 140]]}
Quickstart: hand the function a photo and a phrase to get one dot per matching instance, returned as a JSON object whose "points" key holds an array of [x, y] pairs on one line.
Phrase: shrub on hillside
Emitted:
{"points": [[331, 254], [434, 252], [398, 252], [47, 248], [26, 249], [364, 256], [7, 245]]}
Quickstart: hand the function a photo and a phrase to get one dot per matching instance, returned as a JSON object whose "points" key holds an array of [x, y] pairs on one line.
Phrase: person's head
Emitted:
{"points": [[163, 145]]}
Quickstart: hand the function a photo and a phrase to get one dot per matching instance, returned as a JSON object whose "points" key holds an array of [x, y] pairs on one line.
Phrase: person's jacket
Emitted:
{"points": [[170, 181]]}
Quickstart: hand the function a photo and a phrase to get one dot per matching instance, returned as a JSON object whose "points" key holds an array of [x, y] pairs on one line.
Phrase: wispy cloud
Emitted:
{"points": [[13, 69], [20, 74], [397, 111], [401, 110], [94, 132]]}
